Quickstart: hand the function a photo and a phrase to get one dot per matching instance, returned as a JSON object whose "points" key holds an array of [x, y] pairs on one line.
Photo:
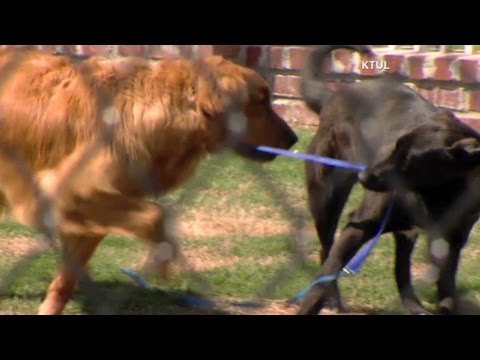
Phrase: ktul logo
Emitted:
{"points": [[375, 65]]}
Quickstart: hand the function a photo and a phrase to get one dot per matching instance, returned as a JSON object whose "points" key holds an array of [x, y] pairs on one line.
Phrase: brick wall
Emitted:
{"points": [[448, 80]]}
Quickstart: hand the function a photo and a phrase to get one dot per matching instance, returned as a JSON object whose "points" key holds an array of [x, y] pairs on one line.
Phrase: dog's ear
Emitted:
{"points": [[221, 85], [465, 150], [208, 92], [468, 148]]}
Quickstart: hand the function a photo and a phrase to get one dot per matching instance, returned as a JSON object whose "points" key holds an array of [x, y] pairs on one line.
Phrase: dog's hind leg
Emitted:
{"points": [[344, 248], [129, 216], [327, 193], [445, 256], [83, 228], [363, 225], [404, 245], [76, 252]]}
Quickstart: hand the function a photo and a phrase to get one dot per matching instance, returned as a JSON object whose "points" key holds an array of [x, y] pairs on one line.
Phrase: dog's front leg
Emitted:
{"points": [[344, 248], [76, 252], [133, 216]]}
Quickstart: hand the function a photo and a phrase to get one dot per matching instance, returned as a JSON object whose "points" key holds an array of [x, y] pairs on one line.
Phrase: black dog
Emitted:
{"points": [[362, 122], [439, 162]]}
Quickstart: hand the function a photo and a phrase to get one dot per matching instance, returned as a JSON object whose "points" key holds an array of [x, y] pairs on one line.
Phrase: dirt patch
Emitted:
{"points": [[264, 307], [201, 259], [19, 245], [470, 253], [420, 270], [268, 307], [203, 224]]}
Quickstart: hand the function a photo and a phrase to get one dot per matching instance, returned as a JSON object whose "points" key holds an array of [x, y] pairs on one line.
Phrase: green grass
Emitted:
{"points": [[262, 266]]}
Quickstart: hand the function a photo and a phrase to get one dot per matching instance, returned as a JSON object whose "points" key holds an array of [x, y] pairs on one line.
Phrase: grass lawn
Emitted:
{"points": [[248, 243]]}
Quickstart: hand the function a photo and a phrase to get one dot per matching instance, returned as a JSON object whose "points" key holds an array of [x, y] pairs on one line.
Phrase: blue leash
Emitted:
{"points": [[186, 299], [309, 157], [354, 265]]}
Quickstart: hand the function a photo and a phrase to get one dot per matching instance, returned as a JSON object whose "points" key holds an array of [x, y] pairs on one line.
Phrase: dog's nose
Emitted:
{"points": [[293, 139], [369, 180], [372, 181]]}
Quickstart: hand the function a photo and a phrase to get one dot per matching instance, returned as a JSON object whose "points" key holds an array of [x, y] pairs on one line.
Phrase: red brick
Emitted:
{"points": [[276, 58], [96, 50], [281, 108], [443, 67], [453, 99], [416, 64], [186, 51], [474, 103], [48, 48], [469, 68], [131, 50], [163, 52], [228, 51], [298, 57], [430, 94], [472, 121], [4, 47], [254, 54], [295, 112], [289, 86], [395, 62], [205, 50]]}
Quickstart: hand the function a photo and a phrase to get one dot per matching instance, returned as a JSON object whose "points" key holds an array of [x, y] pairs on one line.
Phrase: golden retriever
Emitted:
{"points": [[101, 137]]}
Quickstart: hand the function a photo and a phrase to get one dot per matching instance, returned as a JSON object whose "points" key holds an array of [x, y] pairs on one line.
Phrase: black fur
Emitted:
{"points": [[365, 122]]}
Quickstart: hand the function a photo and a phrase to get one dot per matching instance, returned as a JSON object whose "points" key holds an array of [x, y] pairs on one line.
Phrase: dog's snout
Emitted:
{"points": [[292, 138], [371, 181], [289, 136]]}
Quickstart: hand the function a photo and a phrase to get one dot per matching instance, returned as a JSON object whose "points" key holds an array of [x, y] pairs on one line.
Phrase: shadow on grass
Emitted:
{"points": [[129, 299], [113, 297], [118, 298], [467, 305]]}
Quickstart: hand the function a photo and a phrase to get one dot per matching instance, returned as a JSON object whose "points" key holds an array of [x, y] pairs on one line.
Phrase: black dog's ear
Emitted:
{"points": [[465, 149]]}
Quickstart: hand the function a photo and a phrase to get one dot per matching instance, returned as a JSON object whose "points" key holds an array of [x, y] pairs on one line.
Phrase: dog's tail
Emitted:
{"points": [[314, 90]]}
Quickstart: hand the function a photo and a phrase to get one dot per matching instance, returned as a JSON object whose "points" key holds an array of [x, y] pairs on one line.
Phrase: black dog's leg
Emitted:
{"points": [[404, 245], [328, 190], [343, 249], [446, 259], [363, 225]]}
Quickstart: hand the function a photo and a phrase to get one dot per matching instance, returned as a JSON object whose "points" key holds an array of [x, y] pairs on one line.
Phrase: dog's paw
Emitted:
{"points": [[446, 306], [159, 260]]}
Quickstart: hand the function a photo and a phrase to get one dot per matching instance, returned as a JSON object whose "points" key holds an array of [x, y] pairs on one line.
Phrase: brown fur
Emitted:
{"points": [[98, 138]]}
